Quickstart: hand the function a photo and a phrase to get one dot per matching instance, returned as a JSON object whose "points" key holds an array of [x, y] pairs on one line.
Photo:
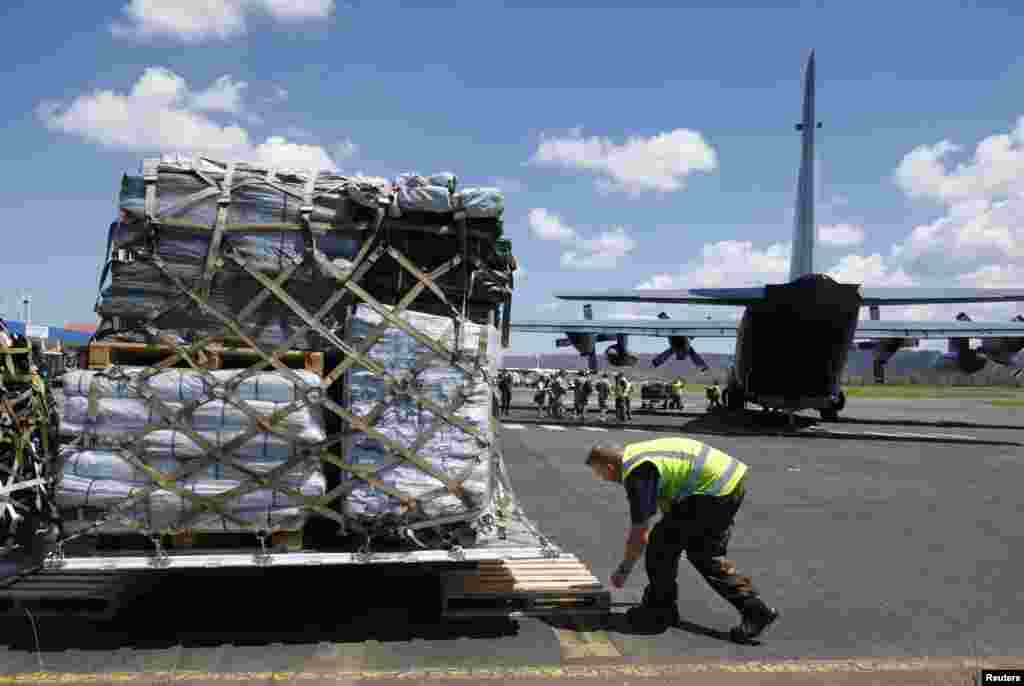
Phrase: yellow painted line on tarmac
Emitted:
{"points": [[659, 671], [581, 644]]}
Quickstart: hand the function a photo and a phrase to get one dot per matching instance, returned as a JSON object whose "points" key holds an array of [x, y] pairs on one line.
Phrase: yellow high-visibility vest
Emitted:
{"points": [[685, 467]]}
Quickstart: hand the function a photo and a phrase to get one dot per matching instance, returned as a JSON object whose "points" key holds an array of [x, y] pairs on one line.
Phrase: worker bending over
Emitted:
{"points": [[698, 489]]}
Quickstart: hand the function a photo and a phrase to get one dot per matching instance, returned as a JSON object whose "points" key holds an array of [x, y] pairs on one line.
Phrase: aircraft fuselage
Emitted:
{"points": [[792, 348]]}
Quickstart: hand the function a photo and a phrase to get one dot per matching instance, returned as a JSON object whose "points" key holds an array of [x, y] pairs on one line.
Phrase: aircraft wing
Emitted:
{"points": [[633, 327], [939, 296], [931, 329], [749, 296], [693, 296]]}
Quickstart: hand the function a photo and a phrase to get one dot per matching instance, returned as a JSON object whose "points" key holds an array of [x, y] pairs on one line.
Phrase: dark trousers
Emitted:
{"points": [[700, 526], [506, 400]]}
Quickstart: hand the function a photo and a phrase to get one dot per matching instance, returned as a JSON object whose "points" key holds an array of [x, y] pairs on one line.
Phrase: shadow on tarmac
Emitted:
{"points": [[617, 623], [300, 606]]}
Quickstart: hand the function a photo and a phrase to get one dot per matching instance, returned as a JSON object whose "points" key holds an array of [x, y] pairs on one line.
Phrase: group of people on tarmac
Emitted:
{"points": [[553, 390]]}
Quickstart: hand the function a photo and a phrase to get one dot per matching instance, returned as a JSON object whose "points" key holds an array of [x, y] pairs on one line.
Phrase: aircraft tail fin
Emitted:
{"points": [[802, 259]]}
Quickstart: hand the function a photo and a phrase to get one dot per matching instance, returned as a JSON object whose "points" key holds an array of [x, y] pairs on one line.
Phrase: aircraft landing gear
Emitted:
{"points": [[732, 398], [832, 414]]}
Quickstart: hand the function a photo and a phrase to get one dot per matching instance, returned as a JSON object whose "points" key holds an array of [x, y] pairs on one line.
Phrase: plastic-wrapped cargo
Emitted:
{"points": [[119, 416], [188, 193], [419, 193], [185, 385], [162, 509], [480, 203], [450, 451]]}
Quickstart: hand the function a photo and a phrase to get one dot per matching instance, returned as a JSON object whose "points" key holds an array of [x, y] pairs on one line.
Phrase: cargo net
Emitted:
{"points": [[397, 437], [28, 446]]}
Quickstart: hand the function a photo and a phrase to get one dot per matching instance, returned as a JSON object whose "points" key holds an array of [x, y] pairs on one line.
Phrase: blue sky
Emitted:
{"points": [[650, 144]]}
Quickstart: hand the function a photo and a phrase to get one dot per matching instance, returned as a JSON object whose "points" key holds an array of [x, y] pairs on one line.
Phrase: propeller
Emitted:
{"points": [[679, 346], [584, 342]]}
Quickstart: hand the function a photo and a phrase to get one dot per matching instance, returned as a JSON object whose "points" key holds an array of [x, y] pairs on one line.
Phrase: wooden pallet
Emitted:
{"points": [[516, 588], [105, 353]]}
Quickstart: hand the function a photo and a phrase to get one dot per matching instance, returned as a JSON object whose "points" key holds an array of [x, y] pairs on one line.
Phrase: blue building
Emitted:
{"points": [[51, 333]]}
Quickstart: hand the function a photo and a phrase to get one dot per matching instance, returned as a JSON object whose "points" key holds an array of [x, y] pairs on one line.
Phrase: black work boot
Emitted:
{"points": [[650, 616], [756, 618]]}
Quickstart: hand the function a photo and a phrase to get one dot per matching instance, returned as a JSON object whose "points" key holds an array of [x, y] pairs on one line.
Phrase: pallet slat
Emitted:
{"points": [[524, 588]]}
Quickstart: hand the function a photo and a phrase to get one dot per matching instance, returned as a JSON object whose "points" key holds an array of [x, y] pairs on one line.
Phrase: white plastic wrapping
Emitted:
{"points": [[480, 203], [369, 191], [450, 450], [164, 509], [120, 416], [101, 463], [185, 385], [417, 194]]}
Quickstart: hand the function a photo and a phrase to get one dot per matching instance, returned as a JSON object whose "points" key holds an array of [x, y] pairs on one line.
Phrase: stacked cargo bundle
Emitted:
{"points": [[389, 293], [181, 213]]}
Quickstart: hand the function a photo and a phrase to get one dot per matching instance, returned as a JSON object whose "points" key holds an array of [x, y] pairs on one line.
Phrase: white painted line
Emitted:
{"points": [[635, 431], [513, 426], [891, 434], [552, 427], [593, 428]]}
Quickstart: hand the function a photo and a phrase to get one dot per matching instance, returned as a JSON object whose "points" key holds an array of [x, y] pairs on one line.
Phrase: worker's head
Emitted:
{"points": [[605, 461]]}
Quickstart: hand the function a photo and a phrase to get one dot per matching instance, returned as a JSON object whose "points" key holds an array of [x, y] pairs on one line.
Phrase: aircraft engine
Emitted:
{"points": [[1005, 351], [960, 357], [967, 361], [681, 347], [884, 349], [618, 354]]}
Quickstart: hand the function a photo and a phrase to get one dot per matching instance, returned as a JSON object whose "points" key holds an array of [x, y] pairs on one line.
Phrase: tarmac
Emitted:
{"points": [[892, 559]]}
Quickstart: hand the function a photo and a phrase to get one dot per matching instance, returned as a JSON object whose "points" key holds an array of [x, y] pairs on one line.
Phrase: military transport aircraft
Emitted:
{"points": [[793, 340]]}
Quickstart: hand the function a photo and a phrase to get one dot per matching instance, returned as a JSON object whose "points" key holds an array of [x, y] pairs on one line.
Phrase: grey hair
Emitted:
{"points": [[606, 449]]}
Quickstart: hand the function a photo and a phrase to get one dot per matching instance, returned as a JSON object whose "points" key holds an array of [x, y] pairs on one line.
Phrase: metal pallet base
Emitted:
{"points": [[56, 592]]}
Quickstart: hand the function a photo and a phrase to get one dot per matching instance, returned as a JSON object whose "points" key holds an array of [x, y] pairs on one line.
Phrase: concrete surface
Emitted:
{"points": [[877, 554]]}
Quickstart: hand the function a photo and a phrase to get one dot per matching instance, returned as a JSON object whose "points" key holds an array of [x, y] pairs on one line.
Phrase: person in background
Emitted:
{"points": [[604, 389], [505, 386]]}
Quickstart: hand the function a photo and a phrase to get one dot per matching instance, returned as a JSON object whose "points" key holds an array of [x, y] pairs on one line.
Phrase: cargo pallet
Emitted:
{"points": [[94, 595], [539, 587]]}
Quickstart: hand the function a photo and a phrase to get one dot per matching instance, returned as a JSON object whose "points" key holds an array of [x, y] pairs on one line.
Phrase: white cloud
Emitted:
{"points": [[547, 226], [162, 114], [659, 163], [870, 271], [602, 252], [345, 149], [983, 199], [224, 95], [279, 152], [197, 20], [841, 234]]}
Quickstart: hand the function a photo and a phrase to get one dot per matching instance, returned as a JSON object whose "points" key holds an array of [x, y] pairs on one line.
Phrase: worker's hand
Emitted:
{"points": [[618, 580]]}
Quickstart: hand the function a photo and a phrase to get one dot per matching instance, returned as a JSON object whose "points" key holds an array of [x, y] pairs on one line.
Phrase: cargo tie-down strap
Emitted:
{"points": [[27, 443], [348, 290]]}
